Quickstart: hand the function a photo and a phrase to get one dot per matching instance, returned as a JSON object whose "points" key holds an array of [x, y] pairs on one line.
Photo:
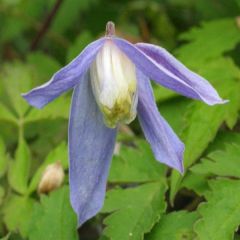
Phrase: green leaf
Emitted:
{"points": [[17, 213], [60, 153], [79, 44], [68, 14], [2, 192], [134, 210], [7, 115], [201, 50], [44, 65], [136, 164], [174, 226], [54, 218], [204, 121], [19, 167], [16, 79], [177, 107], [51, 111], [221, 163], [220, 215], [3, 158], [196, 182]]}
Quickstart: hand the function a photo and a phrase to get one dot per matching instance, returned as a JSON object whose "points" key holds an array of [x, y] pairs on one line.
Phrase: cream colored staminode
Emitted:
{"points": [[114, 84], [52, 178]]}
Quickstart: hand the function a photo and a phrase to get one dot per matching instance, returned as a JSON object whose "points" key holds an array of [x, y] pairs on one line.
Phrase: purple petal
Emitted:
{"points": [[91, 146], [165, 144], [65, 78], [168, 72]]}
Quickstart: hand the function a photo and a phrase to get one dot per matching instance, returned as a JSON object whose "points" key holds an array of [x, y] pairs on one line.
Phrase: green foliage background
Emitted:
{"points": [[145, 200]]}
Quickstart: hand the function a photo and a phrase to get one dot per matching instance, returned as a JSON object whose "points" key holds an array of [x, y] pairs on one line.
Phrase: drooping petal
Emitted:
{"points": [[91, 146], [167, 147], [162, 57], [190, 85], [65, 78]]}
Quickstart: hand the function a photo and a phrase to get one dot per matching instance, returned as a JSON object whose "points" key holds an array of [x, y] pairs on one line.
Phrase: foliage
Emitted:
{"points": [[144, 199]]}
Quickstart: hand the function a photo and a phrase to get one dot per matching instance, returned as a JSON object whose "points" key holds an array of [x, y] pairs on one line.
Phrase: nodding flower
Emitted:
{"points": [[111, 81]]}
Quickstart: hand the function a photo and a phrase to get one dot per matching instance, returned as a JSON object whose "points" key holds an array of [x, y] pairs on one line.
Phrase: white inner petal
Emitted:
{"points": [[114, 84]]}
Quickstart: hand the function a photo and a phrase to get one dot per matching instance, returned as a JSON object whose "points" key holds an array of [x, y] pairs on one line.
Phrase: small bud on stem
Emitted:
{"points": [[52, 178], [110, 29]]}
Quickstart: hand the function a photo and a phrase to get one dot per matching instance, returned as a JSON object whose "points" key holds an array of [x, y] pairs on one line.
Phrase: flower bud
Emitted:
{"points": [[114, 84], [52, 178]]}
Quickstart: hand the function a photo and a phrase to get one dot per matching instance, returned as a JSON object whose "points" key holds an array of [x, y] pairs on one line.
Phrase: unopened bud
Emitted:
{"points": [[52, 178]]}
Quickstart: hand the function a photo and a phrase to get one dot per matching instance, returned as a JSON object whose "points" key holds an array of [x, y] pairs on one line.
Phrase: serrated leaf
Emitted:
{"points": [[54, 218], [134, 210], [17, 213], [204, 121], [60, 153], [196, 182], [19, 167], [220, 214], [136, 164], [174, 226], [216, 44], [221, 163]]}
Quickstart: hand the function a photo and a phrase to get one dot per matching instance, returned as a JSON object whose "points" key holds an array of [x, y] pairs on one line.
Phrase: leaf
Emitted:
{"points": [[19, 168], [134, 211], [195, 53], [204, 121], [2, 192], [174, 226], [221, 163], [16, 78], [82, 40], [3, 158], [44, 65], [7, 115], [136, 164], [54, 218], [196, 182], [223, 138], [177, 107], [162, 94], [63, 20], [222, 209], [60, 153], [59, 108], [17, 213]]}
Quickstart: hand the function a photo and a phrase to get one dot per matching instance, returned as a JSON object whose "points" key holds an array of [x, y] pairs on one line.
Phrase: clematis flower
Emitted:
{"points": [[111, 81]]}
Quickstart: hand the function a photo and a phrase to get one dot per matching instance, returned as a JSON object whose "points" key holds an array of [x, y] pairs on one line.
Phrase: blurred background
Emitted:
{"points": [[149, 201]]}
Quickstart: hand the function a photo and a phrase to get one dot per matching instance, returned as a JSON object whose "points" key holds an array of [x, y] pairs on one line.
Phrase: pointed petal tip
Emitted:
{"points": [[217, 101], [33, 101]]}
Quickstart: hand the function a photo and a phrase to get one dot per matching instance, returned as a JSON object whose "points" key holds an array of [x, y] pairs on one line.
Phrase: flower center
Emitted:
{"points": [[114, 84]]}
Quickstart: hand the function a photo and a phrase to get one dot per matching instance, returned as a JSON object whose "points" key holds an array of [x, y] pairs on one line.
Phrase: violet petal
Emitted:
{"points": [[167, 147], [167, 77], [91, 146], [65, 78]]}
